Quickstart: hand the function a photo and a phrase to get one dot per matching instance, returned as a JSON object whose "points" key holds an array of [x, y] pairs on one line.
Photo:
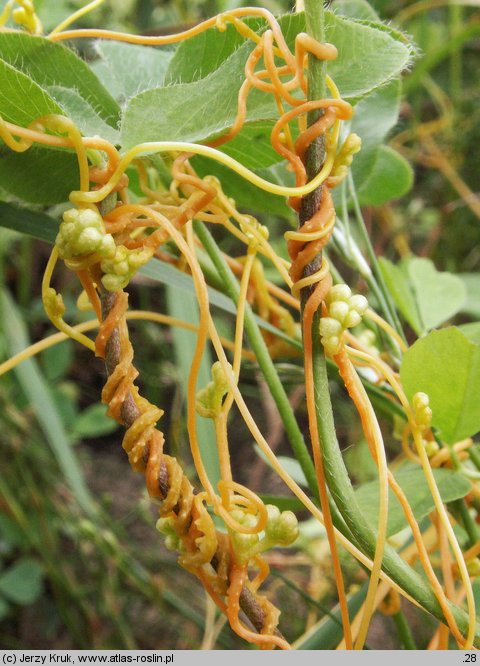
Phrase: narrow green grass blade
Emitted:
{"points": [[184, 344], [37, 391]]}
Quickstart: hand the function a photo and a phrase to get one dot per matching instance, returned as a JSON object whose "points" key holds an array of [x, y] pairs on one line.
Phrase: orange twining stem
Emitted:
{"points": [[302, 252], [359, 398], [218, 21], [238, 578]]}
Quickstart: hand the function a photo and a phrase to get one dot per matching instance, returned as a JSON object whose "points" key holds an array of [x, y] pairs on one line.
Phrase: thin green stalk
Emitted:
{"points": [[455, 16], [467, 521], [474, 454], [404, 633], [383, 294]]}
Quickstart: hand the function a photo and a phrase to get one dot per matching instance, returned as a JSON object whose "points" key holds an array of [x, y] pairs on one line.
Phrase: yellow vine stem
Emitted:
{"points": [[151, 147], [80, 13], [132, 315], [9, 130], [386, 371], [54, 305], [385, 326]]}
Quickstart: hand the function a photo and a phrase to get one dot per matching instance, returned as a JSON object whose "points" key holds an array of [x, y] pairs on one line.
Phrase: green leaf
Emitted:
{"points": [[252, 147], [390, 178], [204, 103], [21, 99], [93, 422], [184, 341], [451, 485], [380, 174], [10, 535], [37, 392], [146, 68], [19, 174], [471, 331], [57, 360], [22, 582], [290, 465], [439, 295], [193, 111], [472, 284], [399, 288], [83, 114], [356, 9], [446, 365], [52, 64], [201, 55], [369, 53], [425, 297]]}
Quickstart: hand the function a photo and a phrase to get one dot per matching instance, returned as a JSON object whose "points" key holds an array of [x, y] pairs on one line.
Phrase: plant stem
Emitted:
{"points": [[404, 632], [381, 290]]}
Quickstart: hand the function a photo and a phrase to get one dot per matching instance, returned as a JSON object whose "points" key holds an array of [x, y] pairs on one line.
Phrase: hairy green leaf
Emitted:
{"points": [[146, 68], [83, 114], [21, 99], [52, 64], [203, 100]]}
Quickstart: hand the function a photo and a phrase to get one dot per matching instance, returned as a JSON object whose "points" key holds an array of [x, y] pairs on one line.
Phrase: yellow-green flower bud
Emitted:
{"points": [[281, 528], [53, 304], [209, 399], [359, 303], [330, 327], [344, 309], [339, 310], [473, 567], [339, 292], [431, 447], [352, 319], [421, 410], [245, 545], [82, 233], [166, 526], [120, 269]]}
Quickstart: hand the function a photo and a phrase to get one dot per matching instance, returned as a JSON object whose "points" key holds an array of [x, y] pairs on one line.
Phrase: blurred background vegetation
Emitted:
{"points": [[81, 565]]}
